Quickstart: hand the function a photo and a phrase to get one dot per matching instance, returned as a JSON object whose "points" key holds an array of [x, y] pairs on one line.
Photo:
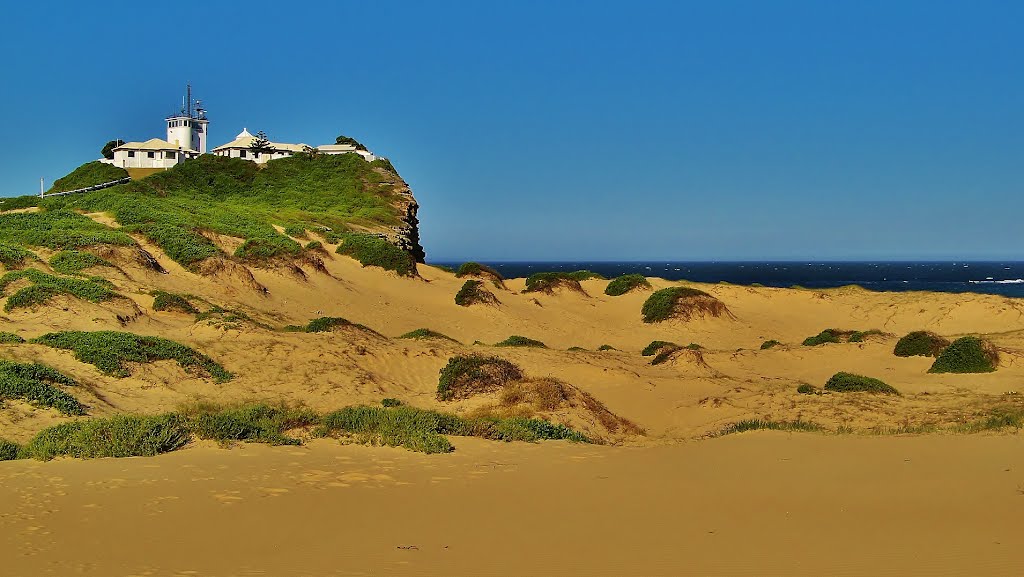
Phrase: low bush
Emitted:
{"points": [[859, 336], [45, 286], [266, 247], [769, 344], [13, 256], [118, 436], [761, 424], [851, 383], [549, 281], [664, 354], [518, 341], [314, 245], [825, 336], [576, 349], [655, 346], [371, 250], [89, 174], [112, 351], [37, 384], [170, 302], [10, 339], [465, 376], [477, 269], [920, 344], [426, 334], [806, 389], [626, 283], [328, 324], [606, 348], [473, 292], [389, 402], [681, 302], [967, 355], [73, 262], [9, 451], [296, 231], [251, 423]]}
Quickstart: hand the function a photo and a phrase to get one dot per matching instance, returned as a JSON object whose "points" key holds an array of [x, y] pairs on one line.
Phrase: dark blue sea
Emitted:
{"points": [[1001, 278]]}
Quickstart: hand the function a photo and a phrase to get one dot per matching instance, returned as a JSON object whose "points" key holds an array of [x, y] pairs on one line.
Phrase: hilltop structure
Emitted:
{"points": [[187, 133]]}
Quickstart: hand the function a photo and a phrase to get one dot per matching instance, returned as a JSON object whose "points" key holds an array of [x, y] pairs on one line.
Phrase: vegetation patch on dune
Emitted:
{"points": [[371, 250], [769, 344], [73, 262], [839, 336], [861, 336], [89, 174], [920, 343], [12, 256], [473, 292], [548, 282], [967, 355], [255, 423], [465, 376], [9, 451], [850, 383], [683, 303], [664, 354], [45, 286], [606, 348], [518, 341], [770, 425], [57, 230], [10, 338], [37, 384], [480, 270], [806, 389], [118, 436], [655, 346], [328, 324], [112, 352], [426, 334], [171, 302], [626, 283]]}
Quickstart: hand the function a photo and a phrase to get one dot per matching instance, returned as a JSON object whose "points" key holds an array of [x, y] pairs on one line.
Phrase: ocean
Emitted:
{"points": [[1000, 278]]}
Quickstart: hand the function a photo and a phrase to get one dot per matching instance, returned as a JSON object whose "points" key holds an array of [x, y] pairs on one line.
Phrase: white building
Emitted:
{"points": [[186, 138], [346, 149], [241, 147]]}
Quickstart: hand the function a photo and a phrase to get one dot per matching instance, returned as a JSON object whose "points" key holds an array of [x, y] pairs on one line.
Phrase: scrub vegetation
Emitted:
{"points": [[851, 383], [38, 385], [683, 303], [920, 343], [967, 355], [626, 283], [44, 286]]}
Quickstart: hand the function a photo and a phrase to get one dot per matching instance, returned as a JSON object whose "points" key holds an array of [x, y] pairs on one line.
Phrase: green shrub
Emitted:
{"points": [[19, 202], [851, 383], [825, 336], [859, 336], [9, 451], [250, 423], [693, 347], [371, 250], [12, 256], [118, 436], [473, 292], [920, 343], [426, 334], [806, 389], [389, 402], [89, 174], [518, 341], [655, 346], [683, 301], [549, 281], [73, 262], [477, 269], [626, 283], [296, 231], [385, 164], [328, 324], [170, 302], [315, 245], [57, 230], [45, 286], [606, 348], [769, 344], [967, 355], [664, 354], [465, 376], [37, 384], [111, 351], [576, 349], [760, 424], [10, 339]]}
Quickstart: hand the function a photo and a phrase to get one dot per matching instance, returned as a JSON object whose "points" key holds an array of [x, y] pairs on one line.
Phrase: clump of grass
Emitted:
{"points": [[314, 245], [859, 336], [693, 347], [664, 354], [389, 402], [251, 423], [769, 344], [998, 418], [37, 384], [655, 346], [372, 250], [825, 336], [850, 383], [473, 292], [576, 349], [57, 230], [549, 281], [89, 174], [626, 283], [920, 344], [518, 341], [10, 338], [118, 436], [296, 231], [45, 286], [806, 389], [681, 302], [328, 324], [9, 451], [967, 355], [171, 302], [13, 256], [426, 334], [465, 376], [477, 269], [73, 262], [606, 348], [763, 424], [111, 352]]}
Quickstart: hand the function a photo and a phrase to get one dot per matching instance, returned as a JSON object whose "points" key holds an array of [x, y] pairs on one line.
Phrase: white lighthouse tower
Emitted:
{"points": [[189, 128]]}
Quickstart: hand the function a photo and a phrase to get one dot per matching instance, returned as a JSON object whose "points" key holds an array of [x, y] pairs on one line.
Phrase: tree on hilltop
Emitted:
{"points": [[349, 140], [260, 144], [108, 148]]}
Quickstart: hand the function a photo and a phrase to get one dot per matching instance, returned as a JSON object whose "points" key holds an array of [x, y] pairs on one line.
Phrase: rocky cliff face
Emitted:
{"points": [[407, 235]]}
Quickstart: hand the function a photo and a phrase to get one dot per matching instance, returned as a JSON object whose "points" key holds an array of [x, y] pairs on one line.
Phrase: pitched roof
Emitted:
{"points": [[244, 141], [151, 144]]}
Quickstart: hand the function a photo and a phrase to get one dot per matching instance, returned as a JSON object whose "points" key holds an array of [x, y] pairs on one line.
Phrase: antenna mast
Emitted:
{"points": [[189, 91]]}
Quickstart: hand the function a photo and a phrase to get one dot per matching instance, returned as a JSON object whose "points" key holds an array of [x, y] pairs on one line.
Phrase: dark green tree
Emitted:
{"points": [[260, 145], [108, 148], [349, 140]]}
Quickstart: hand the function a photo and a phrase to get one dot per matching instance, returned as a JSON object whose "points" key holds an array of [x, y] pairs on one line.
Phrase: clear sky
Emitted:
{"points": [[576, 130]]}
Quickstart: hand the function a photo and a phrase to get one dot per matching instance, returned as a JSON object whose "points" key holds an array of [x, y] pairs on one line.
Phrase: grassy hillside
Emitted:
{"points": [[89, 174], [327, 194]]}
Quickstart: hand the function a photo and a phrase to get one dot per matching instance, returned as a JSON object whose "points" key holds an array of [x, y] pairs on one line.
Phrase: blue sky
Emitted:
{"points": [[577, 130]]}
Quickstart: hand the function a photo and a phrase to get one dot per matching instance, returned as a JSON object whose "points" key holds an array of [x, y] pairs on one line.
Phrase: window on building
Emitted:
{"points": [[255, 155], [151, 154], [168, 155], [241, 154], [131, 154]]}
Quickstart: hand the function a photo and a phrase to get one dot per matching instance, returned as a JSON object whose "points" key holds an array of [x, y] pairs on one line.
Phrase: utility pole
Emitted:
{"points": [[41, 189]]}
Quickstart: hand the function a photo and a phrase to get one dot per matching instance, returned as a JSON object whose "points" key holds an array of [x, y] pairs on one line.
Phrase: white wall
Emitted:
{"points": [[141, 159]]}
